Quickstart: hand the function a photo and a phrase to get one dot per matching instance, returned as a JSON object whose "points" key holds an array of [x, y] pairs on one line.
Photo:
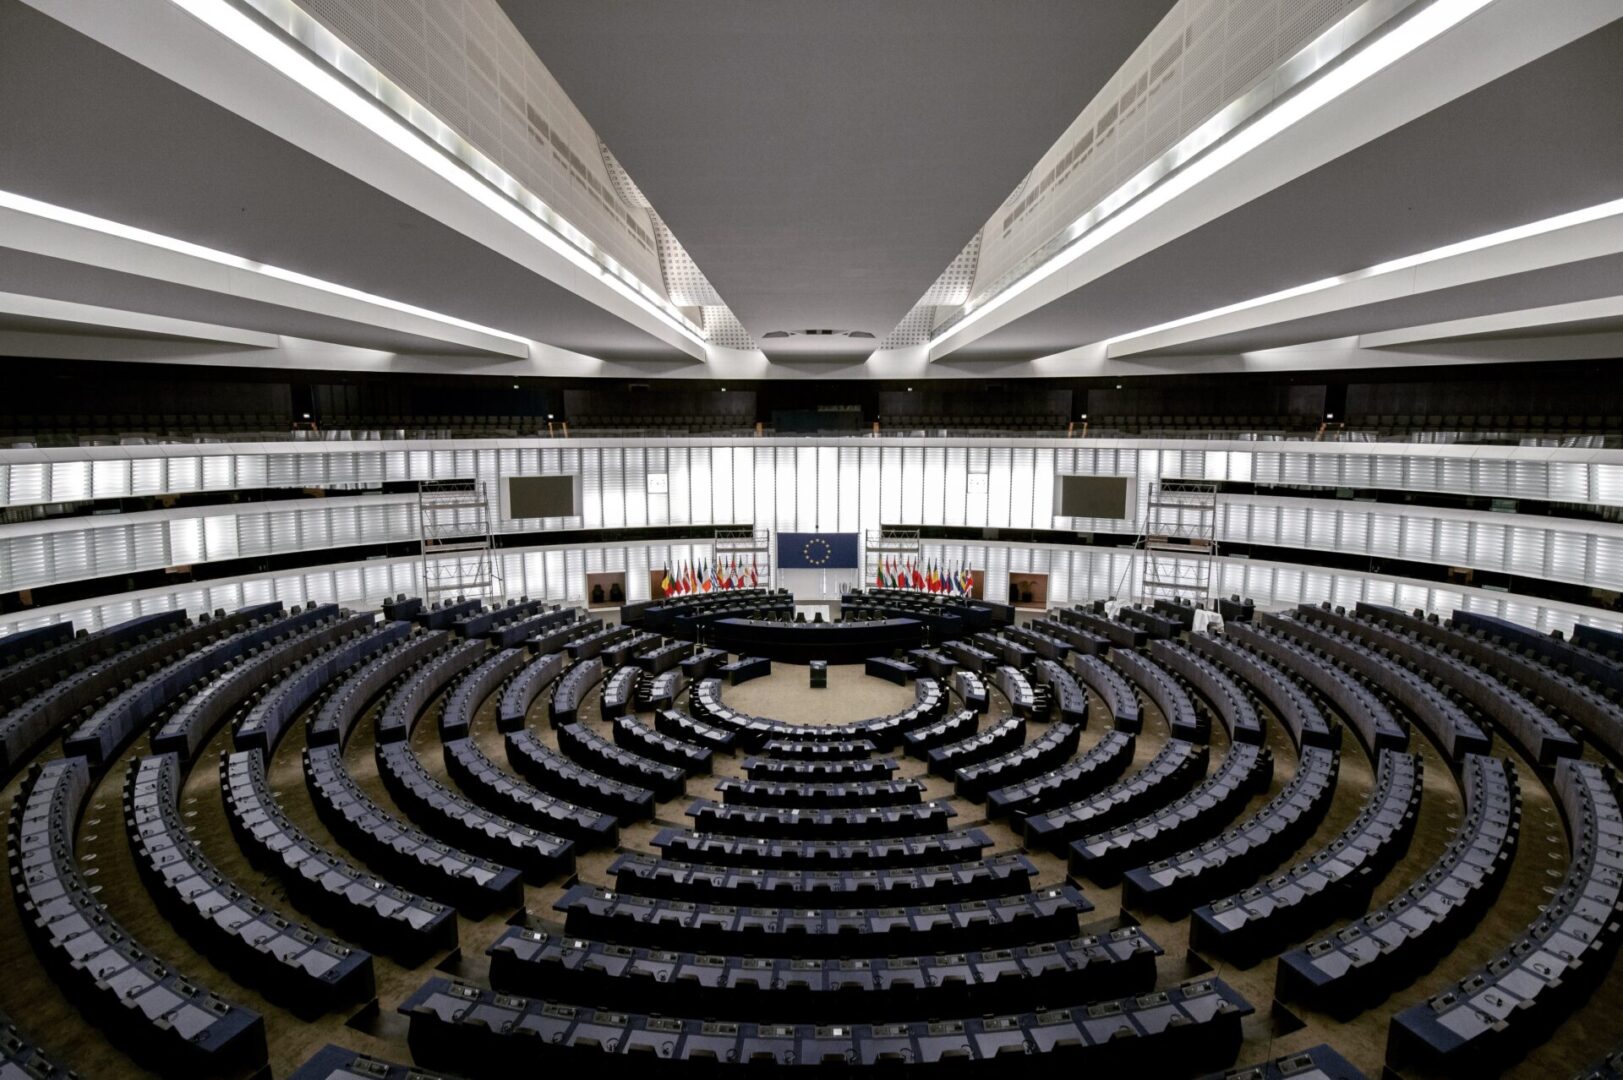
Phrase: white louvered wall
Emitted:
{"points": [[558, 574], [848, 485], [721, 481]]}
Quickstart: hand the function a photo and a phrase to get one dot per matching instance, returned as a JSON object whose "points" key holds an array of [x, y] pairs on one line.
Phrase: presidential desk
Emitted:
{"points": [[798, 643]]}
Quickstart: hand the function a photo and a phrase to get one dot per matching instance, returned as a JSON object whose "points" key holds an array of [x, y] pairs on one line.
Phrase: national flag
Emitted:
{"points": [[918, 578], [665, 582], [879, 575], [755, 579]]}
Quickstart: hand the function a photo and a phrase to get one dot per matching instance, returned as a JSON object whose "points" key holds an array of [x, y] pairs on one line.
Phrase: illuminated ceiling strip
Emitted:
{"points": [[1473, 246], [368, 97], [1089, 231], [506, 343]]}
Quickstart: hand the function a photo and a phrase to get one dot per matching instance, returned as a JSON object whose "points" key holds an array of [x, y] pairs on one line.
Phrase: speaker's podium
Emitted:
{"points": [[819, 674]]}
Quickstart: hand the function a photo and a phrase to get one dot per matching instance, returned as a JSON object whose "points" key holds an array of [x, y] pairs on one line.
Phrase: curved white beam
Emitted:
{"points": [[1549, 318], [1590, 233], [96, 318], [58, 232]]}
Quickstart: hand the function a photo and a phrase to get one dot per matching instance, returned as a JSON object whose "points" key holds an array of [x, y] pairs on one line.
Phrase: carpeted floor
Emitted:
{"points": [[850, 696]]}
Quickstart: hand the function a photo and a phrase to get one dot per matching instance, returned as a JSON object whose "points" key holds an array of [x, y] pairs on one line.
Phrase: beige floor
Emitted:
{"points": [[37, 1005]]}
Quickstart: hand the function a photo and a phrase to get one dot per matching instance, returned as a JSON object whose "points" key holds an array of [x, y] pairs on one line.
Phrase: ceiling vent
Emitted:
{"points": [[817, 333]]}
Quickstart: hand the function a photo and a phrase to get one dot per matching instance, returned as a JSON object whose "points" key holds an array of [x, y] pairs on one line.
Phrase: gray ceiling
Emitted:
{"points": [[1543, 140], [84, 127], [824, 160]]}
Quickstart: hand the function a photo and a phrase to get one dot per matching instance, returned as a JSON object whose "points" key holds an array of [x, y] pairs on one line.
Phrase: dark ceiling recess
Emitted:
{"points": [[873, 140]]}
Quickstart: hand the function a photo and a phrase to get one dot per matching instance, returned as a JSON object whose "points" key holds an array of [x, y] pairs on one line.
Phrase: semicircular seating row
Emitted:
{"points": [[751, 937]]}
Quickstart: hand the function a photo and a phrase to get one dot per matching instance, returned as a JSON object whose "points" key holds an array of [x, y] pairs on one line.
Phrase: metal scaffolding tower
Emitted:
{"points": [[746, 546], [458, 550], [1179, 542], [880, 545]]}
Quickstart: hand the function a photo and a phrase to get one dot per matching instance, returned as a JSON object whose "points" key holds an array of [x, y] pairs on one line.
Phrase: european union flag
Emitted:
{"points": [[817, 551]]}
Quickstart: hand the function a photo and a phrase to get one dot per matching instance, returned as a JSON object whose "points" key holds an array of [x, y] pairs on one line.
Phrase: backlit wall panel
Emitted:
{"points": [[558, 574], [804, 485], [35, 554], [809, 484]]}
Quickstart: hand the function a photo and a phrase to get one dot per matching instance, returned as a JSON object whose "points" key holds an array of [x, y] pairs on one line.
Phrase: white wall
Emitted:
{"points": [[849, 485], [558, 574]]}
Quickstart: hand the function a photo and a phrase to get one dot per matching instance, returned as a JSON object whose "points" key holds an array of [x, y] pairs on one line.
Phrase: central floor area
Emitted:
{"points": [[851, 695]]}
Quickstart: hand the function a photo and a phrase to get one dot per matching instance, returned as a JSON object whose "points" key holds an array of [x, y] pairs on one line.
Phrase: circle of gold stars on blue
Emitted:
{"points": [[823, 551]]}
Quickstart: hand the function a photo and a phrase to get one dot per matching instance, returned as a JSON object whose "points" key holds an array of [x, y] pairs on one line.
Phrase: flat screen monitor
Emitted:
{"points": [[554, 496], [1094, 497]]}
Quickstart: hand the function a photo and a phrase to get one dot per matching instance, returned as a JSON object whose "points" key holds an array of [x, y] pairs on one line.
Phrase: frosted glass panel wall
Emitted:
{"points": [[558, 574]]}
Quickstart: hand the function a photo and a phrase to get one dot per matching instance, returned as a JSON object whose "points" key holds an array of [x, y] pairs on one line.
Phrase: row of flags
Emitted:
{"points": [[705, 576], [896, 573]]}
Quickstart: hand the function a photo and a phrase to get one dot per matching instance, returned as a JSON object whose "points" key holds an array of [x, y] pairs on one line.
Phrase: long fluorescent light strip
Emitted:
{"points": [[347, 97], [1408, 262], [1400, 41], [61, 214]]}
